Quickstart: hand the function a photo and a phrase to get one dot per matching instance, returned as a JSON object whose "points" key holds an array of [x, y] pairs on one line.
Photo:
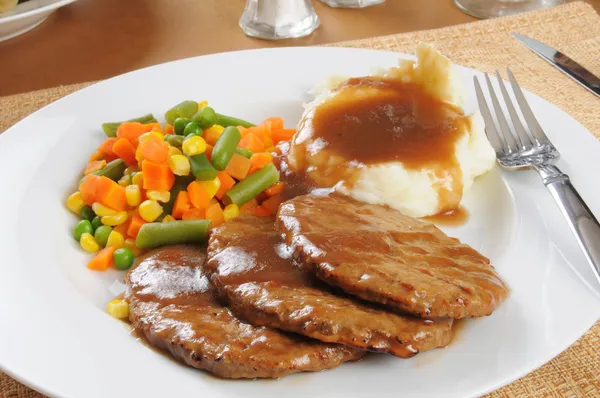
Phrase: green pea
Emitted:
{"points": [[193, 128], [96, 222], [180, 124], [82, 227], [101, 234], [123, 258], [87, 213]]}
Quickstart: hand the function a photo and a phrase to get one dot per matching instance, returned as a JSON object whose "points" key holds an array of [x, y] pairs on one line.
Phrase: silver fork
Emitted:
{"points": [[521, 148]]}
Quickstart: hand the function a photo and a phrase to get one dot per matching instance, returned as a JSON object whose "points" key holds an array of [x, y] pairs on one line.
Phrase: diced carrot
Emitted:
{"points": [[88, 188], [198, 196], [263, 133], [275, 189], [111, 194], [261, 212], [243, 130], [123, 149], [102, 260], [122, 228], [208, 152], [276, 122], [252, 142], [94, 165], [238, 166], [215, 214], [226, 184], [272, 204], [157, 176], [133, 130], [194, 214], [249, 207], [181, 205], [105, 149], [135, 224], [157, 128], [169, 129], [279, 135], [260, 160], [154, 149], [96, 156]]}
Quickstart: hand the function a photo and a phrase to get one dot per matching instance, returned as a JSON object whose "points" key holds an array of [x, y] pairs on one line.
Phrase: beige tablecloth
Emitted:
{"points": [[486, 45]]}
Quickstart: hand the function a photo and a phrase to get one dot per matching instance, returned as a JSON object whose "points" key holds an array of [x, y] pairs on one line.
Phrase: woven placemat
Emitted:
{"points": [[485, 45]]}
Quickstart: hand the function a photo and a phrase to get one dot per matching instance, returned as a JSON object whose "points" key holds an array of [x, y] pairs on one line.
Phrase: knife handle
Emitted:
{"points": [[582, 222]]}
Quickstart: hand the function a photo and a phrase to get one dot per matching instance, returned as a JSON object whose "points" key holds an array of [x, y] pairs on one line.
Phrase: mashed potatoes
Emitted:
{"points": [[399, 137]]}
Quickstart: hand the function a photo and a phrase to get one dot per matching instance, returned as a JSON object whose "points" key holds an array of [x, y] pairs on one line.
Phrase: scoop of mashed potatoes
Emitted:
{"points": [[398, 138]]}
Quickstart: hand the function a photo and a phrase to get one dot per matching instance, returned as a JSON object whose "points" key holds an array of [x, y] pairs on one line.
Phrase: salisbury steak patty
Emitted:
{"points": [[380, 255], [173, 304], [252, 269]]}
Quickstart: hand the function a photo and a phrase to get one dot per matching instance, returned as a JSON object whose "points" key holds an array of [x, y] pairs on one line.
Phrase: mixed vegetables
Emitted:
{"points": [[150, 184]]}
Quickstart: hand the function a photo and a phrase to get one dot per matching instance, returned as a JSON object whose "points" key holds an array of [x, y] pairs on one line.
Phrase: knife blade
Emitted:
{"points": [[563, 63]]}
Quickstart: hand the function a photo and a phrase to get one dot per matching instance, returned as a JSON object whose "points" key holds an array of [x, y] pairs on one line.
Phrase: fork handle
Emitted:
{"points": [[582, 222]]}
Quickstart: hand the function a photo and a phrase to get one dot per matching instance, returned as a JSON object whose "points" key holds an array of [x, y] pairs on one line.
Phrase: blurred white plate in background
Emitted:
{"points": [[27, 16]]}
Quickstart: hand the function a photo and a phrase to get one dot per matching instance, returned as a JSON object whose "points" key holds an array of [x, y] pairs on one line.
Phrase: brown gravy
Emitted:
{"points": [[451, 218], [374, 120]]}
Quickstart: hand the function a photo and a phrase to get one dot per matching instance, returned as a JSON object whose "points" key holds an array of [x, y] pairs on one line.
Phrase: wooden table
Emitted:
{"points": [[96, 39]]}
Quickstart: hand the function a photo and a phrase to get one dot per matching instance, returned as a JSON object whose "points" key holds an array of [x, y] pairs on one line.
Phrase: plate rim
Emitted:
{"points": [[35, 11]]}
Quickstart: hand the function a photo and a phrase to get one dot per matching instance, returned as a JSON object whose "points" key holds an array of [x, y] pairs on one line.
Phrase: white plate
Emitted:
{"points": [[56, 337], [27, 16]]}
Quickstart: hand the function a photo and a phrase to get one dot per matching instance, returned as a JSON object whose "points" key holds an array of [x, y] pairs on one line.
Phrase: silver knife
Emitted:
{"points": [[563, 63]]}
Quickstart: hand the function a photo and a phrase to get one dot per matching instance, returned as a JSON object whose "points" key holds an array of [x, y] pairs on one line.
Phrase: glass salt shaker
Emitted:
{"points": [[279, 19], [352, 3]]}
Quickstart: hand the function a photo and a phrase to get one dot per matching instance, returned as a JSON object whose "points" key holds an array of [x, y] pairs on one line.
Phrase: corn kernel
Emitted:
{"points": [[211, 186], [75, 202], [133, 193], [230, 212], [168, 218], [173, 150], [115, 239], [179, 165], [130, 244], [159, 196], [150, 210], [131, 170], [138, 179], [114, 220], [194, 146], [102, 210], [202, 104], [145, 136], [118, 308], [88, 243], [125, 180]]}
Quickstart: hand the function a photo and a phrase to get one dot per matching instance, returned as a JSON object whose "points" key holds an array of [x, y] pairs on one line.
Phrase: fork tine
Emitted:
{"points": [[532, 123], [496, 140], [505, 130], [522, 136]]}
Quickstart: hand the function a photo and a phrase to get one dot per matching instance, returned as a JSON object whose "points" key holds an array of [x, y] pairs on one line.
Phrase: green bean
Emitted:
{"points": [[201, 167], [174, 140], [224, 120], [179, 125], [245, 152], [252, 185], [156, 234], [225, 147], [113, 170], [87, 213], [180, 184], [110, 129], [193, 128], [205, 117], [185, 109]]}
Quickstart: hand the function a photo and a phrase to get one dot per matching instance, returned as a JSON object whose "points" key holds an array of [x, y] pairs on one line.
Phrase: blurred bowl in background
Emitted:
{"points": [[27, 16]]}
